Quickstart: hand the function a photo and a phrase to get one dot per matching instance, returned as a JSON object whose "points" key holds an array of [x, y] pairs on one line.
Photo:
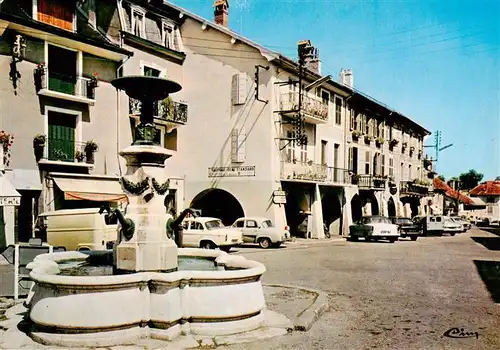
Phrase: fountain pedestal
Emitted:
{"points": [[149, 249]]}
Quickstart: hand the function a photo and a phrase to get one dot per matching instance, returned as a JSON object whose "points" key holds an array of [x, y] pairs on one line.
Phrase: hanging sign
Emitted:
{"points": [[9, 201], [279, 197]]}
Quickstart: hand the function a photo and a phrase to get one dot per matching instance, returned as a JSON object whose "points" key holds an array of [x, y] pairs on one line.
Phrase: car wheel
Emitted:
{"points": [[392, 239], [276, 245], [354, 238], [207, 245], [264, 243], [414, 238], [452, 234]]}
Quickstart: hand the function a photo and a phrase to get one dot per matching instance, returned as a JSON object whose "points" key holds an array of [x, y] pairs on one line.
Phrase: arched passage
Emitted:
{"points": [[391, 207], [218, 203], [330, 205], [374, 205], [414, 205], [356, 211]]}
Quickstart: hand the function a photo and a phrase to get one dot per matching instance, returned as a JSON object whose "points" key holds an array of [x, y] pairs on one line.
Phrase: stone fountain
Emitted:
{"points": [[151, 288]]}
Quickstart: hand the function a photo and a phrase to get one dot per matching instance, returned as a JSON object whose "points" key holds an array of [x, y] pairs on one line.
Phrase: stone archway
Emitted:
{"points": [[332, 210], [391, 207], [414, 206], [374, 205], [218, 203], [356, 208]]}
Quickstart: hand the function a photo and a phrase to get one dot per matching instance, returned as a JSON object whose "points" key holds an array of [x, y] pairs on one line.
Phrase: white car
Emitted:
{"points": [[262, 231], [451, 226], [209, 233], [373, 228]]}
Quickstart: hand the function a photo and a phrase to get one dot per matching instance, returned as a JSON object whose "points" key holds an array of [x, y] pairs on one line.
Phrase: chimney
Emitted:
{"points": [[346, 77], [311, 56], [221, 14]]}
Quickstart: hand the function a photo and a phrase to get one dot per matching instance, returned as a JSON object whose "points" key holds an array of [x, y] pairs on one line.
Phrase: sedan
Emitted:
{"points": [[262, 231], [407, 228], [373, 228]]}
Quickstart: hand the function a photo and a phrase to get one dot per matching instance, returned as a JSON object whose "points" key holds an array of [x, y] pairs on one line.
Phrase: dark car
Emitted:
{"points": [[407, 228]]}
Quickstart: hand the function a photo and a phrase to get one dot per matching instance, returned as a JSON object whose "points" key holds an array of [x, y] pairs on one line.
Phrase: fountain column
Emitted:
{"points": [[147, 247]]}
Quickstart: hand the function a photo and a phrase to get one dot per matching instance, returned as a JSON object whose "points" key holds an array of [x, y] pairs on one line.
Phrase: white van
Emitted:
{"points": [[76, 229], [432, 224]]}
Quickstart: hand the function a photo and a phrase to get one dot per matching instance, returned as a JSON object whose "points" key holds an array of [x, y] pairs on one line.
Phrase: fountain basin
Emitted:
{"points": [[121, 309]]}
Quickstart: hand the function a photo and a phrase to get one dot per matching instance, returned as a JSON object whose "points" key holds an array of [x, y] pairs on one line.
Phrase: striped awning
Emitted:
{"points": [[99, 190]]}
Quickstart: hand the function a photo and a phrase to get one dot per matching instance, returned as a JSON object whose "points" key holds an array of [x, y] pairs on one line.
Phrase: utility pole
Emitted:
{"points": [[437, 147]]}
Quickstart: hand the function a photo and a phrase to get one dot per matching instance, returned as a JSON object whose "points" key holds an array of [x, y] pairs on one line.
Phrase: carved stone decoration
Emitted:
{"points": [[161, 189], [135, 188]]}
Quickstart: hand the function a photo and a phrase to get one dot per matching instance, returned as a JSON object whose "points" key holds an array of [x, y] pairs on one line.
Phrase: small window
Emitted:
{"points": [[338, 111], [196, 226], [438, 219], [251, 224], [432, 219], [240, 223]]}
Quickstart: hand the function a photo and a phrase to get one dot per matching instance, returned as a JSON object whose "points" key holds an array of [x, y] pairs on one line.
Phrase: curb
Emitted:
{"points": [[309, 316]]}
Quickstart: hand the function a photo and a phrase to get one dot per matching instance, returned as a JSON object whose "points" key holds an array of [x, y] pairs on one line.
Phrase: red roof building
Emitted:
{"points": [[449, 192], [488, 188]]}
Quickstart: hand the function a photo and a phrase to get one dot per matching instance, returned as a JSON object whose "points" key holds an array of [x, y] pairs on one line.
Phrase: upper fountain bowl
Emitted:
{"points": [[141, 87]]}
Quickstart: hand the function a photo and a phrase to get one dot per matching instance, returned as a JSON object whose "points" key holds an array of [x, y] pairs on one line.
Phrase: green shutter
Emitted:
{"points": [[61, 137]]}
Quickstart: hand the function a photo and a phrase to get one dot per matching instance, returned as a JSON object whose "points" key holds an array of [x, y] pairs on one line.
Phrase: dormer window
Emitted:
{"points": [[168, 35], [138, 22], [59, 13]]}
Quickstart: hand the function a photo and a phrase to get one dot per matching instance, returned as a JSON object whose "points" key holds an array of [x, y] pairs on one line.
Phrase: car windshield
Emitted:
{"points": [[214, 224], [404, 221], [376, 220], [267, 223]]}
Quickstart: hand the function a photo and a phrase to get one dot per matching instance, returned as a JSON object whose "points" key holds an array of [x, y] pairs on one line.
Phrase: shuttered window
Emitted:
{"points": [[61, 138], [367, 162], [238, 140], [239, 89]]}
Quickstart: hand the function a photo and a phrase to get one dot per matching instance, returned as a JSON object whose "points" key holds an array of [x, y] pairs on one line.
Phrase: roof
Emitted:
{"points": [[286, 62], [488, 188], [450, 192]]}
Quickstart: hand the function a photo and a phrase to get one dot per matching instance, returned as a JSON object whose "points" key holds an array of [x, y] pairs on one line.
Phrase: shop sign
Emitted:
{"points": [[8, 201], [232, 171], [279, 197]]}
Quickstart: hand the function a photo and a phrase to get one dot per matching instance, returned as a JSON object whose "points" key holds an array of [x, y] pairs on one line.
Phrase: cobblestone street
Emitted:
{"points": [[404, 295]]}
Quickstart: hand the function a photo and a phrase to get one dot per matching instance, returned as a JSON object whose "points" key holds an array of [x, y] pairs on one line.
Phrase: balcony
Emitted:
{"points": [[314, 109], [72, 88], [369, 182], [413, 188], [313, 173], [172, 112]]}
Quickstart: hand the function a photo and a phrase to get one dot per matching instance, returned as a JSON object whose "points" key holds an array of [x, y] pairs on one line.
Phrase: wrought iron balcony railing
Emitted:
{"points": [[413, 188], [312, 107], [176, 112], [66, 150], [66, 84], [313, 172], [365, 181]]}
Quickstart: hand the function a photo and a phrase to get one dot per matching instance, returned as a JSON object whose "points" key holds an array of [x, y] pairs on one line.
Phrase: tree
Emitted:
{"points": [[442, 178], [470, 179]]}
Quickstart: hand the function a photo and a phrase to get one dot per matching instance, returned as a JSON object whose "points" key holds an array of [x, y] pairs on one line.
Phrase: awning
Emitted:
{"points": [[8, 194], [100, 190], [25, 179]]}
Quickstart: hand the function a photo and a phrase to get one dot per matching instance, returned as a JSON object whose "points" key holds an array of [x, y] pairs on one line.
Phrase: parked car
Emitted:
{"points": [[407, 228], [431, 224], [451, 227], [466, 225], [374, 228], [209, 233], [262, 231]]}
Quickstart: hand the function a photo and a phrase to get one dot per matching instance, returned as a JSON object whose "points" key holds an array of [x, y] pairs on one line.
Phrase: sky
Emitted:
{"points": [[437, 62]]}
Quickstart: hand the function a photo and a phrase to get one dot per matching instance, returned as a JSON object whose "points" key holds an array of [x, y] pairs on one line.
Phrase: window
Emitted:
{"points": [[391, 167], [402, 171], [59, 13], [62, 70], [240, 223], [151, 72], [367, 162], [367, 126], [376, 164], [325, 97], [168, 35], [166, 139], [490, 199], [409, 172], [290, 150], [338, 110], [303, 153], [196, 225], [382, 164], [61, 136], [138, 23], [323, 151], [251, 224], [238, 141]]}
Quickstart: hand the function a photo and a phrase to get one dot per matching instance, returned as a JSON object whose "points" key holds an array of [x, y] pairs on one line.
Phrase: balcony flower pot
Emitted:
{"points": [[393, 142], [79, 156], [91, 85], [356, 134], [39, 76], [6, 140], [380, 141], [368, 139], [90, 148], [39, 146]]}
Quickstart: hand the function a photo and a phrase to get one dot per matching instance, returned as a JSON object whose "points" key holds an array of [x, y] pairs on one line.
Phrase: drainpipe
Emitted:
{"points": [[118, 119]]}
